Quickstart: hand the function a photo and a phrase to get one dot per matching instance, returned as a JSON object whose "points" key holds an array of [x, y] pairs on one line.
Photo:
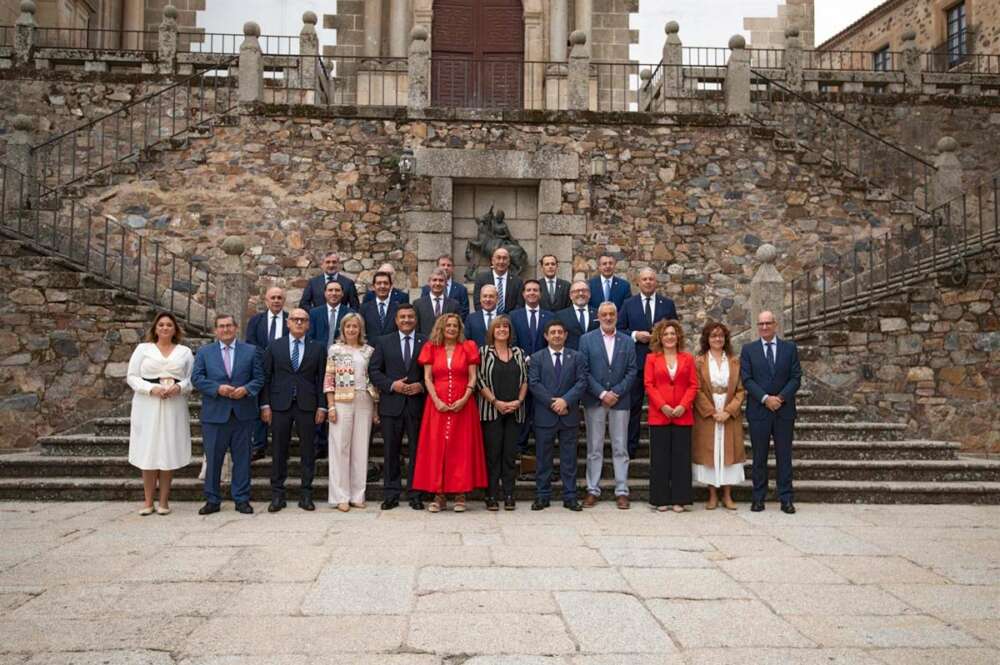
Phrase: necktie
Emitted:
{"points": [[533, 324], [273, 331], [552, 289], [770, 355], [295, 355], [227, 360], [558, 366], [333, 327], [489, 319], [437, 307], [581, 314], [406, 351], [649, 313], [381, 315], [500, 299], [607, 290]]}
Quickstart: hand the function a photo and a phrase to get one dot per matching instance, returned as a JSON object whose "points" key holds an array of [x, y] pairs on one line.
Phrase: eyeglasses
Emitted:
{"points": [[297, 319]]}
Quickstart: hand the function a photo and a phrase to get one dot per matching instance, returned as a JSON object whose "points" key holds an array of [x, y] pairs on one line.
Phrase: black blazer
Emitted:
{"points": [[561, 300], [573, 331], [512, 290], [386, 367], [425, 311], [281, 381], [375, 328], [313, 296], [257, 329]]}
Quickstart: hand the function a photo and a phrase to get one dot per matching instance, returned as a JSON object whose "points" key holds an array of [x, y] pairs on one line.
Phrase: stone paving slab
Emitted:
{"points": [[612, 623]]}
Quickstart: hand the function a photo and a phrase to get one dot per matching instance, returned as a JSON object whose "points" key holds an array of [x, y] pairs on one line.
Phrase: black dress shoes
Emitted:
{"points": [[322, 453], [757, 506], [390, 503], [209, 508], [573, 505], [306, 503], [258, 453], [788, 508], [244, 507], [508, 503], [492, 505], [276, 505], [417, 503], [540, 504]]}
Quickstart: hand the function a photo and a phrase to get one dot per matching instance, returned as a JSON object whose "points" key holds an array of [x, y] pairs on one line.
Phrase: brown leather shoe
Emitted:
{"points": [[590, 501], [622, 502]]}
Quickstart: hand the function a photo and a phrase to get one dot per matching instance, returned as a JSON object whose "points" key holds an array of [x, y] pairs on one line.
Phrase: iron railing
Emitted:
{"points": [[966, 63], [96, 39], [837, 140], [221, 43], [857, 61], [116, 255], [938, 242], [708, 56], [126, 133], [6, 35]]}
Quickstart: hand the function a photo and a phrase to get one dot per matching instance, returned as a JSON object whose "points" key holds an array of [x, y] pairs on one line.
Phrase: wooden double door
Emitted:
{"points": [[477, 57]]}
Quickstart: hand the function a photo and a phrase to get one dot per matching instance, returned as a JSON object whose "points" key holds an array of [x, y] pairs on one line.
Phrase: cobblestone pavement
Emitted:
{"points": [[89, 583]]}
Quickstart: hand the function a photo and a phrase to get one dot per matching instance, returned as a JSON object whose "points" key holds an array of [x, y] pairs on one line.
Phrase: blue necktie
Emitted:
{"points": [[533, 326], [406, 352], [770, 355], [295, 354], [558, 366], [583, 320], [501, 305], [381, 315], [272, 333], [607, 290]]}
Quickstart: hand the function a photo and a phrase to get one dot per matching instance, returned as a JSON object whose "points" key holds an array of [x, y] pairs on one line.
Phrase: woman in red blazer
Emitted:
{"points": [[671, 384]]}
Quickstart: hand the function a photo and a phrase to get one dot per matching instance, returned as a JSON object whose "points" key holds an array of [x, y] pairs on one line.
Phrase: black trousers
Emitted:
{"points": [[638, 394], [761, 433], [304, 423], [393, 429], [670, 465], [500, 437]]}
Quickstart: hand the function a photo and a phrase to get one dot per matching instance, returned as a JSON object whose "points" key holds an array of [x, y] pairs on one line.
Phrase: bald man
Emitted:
{"points": [[262, 329]]}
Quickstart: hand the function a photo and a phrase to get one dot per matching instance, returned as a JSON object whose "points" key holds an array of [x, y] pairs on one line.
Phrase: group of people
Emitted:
{"points": [[468, 390]]}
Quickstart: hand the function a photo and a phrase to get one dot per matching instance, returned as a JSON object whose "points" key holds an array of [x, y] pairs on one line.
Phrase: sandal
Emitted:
{"points": [[343, 507], [460, 503], [678, 509], [661, 509], [359, 506], [437, 504]]}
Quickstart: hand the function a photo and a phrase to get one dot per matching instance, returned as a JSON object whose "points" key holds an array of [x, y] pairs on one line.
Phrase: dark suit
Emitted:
{"points": [[528, 343], [511, 290], [400, 414], [293, 395], [313, 295], [458, 292], [397, 296], [544, 387], [319, 322], [376, 326], [570, 319], [259, 334], [783, 380], [620, 290], [561, 298], [424, 305], [632, 318], [226, 424], [475, 327]]}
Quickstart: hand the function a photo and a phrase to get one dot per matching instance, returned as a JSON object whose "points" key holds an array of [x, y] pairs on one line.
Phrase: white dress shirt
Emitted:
{"points": [[278, 325]]}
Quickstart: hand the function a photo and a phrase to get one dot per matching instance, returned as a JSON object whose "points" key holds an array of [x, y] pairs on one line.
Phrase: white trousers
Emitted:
{"points": [[348, 449], [616, 421]]}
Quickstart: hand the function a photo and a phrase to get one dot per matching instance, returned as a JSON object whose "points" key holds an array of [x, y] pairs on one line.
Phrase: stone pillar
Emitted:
{"points": [[167, 42], [373, 28], [737, 86], [793, 60], [579, 72], [399, 19], [309, 50], [234, 284], [558, 29], [251, 80], [912, 66], [24, 33], [673, 61], [585, 20], [767, 289], [19, 180], [419, 69], [946, 182]]}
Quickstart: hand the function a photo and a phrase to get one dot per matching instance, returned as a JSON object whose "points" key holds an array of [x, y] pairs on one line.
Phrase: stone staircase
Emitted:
{"points": [[839, 457]]}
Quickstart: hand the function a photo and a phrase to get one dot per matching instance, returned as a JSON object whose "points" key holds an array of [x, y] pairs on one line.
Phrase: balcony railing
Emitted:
{"points": [[93, 39], [221, 43]]}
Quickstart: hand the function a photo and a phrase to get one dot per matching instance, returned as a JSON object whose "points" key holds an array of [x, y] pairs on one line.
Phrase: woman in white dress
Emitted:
{"points": [[351, 399], [160, 437], [717, 449]]}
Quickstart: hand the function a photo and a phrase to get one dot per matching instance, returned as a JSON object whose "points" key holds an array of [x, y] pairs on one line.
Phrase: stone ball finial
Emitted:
{"points": [[791, 33], [767, 253], [645, 75], [251, 29], [909, 35], [578, 38], [310, 18], [672, 27], [233, 246], [23, 123], [170, 12], [947, 144], [737, 42], [418, 34], [28, 7]]}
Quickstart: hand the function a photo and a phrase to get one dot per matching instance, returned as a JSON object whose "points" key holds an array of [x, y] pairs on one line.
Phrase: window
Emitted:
{"points": [[882, 60], [957, 34]]}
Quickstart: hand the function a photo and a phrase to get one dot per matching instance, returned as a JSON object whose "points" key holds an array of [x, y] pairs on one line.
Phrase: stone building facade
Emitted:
{"points": [[104, 15], [768, 32]]}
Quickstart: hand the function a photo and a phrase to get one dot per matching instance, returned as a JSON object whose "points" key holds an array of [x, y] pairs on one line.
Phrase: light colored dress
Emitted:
{"points": [[720, 474], [160, 433]]}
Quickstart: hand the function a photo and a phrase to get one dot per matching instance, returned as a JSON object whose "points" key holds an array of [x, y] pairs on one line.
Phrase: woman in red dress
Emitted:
{"points": [[451, 458]]}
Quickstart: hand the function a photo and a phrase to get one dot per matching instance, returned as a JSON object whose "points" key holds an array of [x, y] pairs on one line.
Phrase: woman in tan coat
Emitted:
{"points": [[717, 440]]}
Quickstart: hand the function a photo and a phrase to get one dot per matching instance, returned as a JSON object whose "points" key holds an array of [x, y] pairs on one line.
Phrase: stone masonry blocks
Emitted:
{"points": [[442, 194], [498, 164], [549, 196]]}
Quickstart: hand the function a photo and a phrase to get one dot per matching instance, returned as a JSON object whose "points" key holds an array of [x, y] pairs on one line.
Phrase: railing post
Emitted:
{"points": [[25, 34], [793, 60], [673, 61], [19, 183], [912, 63], [167, 40], [251, 77], [946, 181], [738, 77], [419, 71], [767, 288], [579, 72], [308, 53], [234, 285]]}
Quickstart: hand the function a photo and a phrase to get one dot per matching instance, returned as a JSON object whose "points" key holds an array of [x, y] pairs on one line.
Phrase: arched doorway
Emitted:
{"points": [[477, 57]]}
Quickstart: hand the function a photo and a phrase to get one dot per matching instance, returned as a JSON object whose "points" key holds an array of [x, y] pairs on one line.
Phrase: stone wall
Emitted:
{"points": [[929, 356], [769, 31]]}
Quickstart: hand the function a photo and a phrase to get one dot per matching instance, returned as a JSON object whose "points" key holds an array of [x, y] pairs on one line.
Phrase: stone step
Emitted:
{"points": [[35, 465], [190, 489]]}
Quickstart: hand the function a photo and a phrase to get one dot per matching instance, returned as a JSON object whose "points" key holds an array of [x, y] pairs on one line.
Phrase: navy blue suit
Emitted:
{"points": [[319, 322], [258, 334], [376, 327], [545, 386], [617, 377], [396, 295], [571, 319], [226, 423], [459, 293], [313, 294], [783, 380], [632, 318], [475, 327], [620, 290], [528, 343]]}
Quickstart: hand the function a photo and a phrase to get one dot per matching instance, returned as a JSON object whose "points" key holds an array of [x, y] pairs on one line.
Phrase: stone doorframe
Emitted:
{"points": [[432, 230]]}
